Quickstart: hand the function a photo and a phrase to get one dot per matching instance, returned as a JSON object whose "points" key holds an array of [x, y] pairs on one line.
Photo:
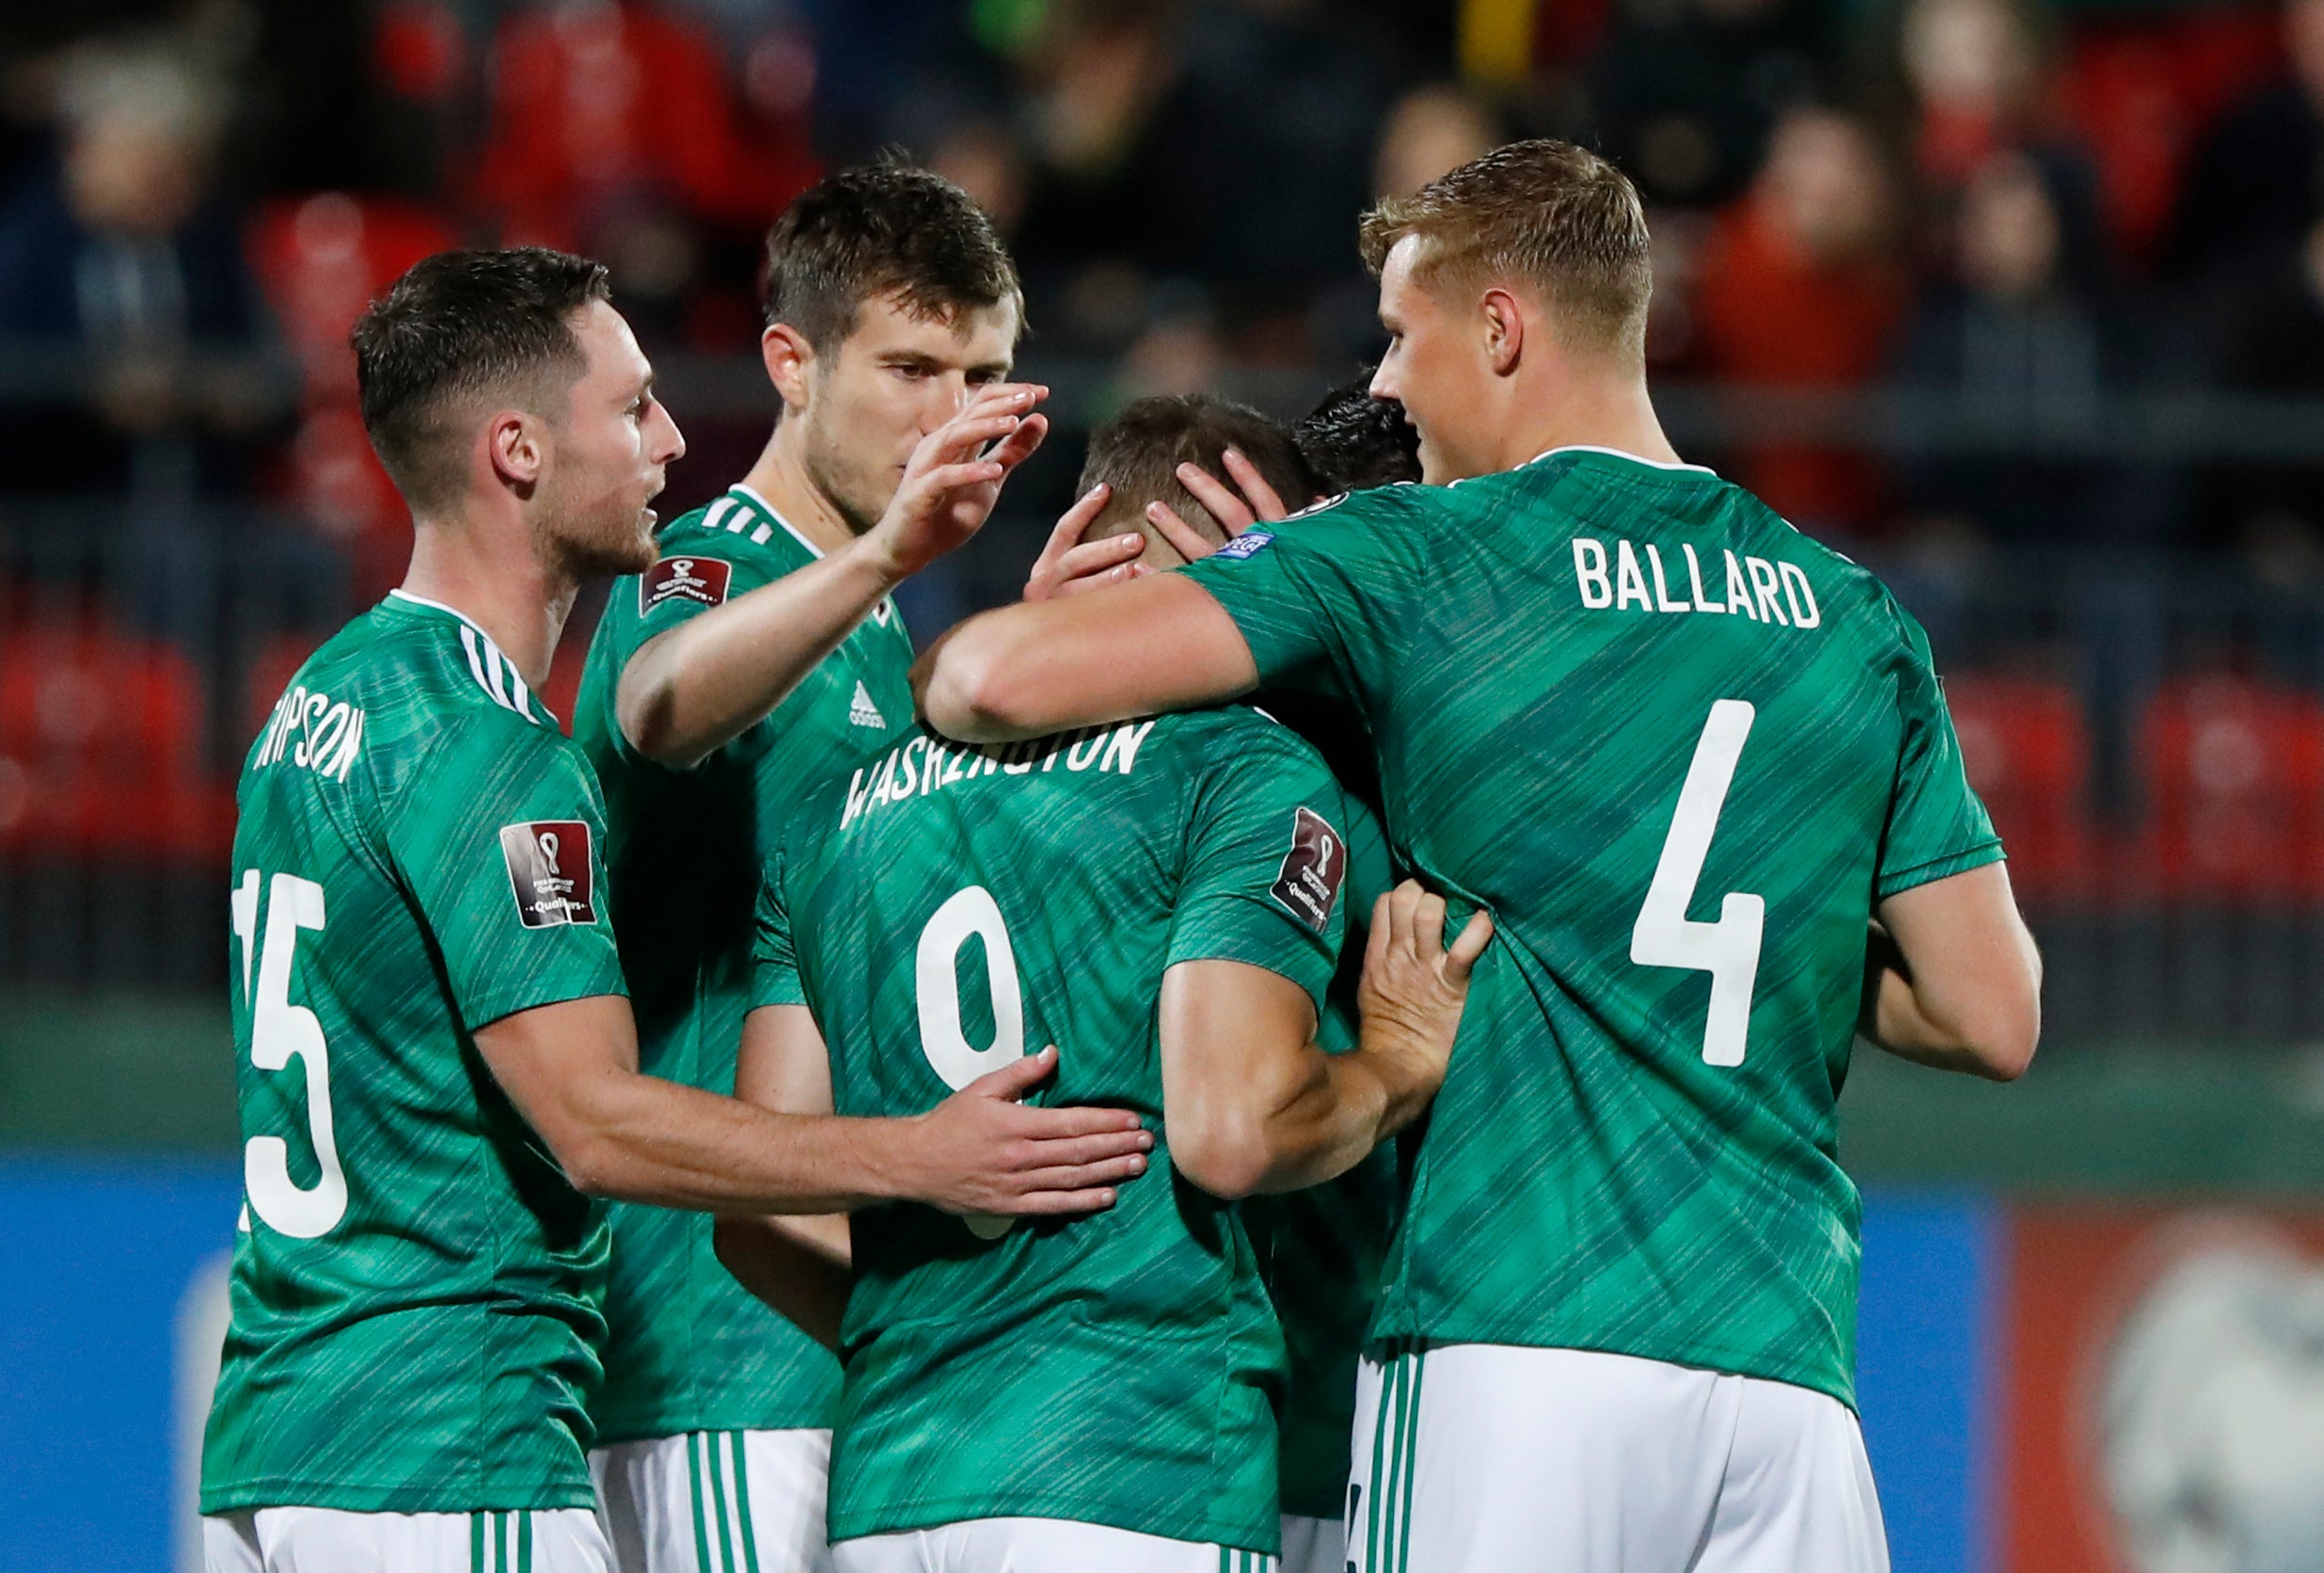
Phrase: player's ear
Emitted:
{"points": [[517, 446], [790, 362], [1504, 329]]}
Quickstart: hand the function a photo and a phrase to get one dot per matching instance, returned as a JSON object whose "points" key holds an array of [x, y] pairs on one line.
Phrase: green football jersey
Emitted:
{"points": [[416, 1288], [687, 1347], [1322, 1249], [1679, 750], [950, 908]]}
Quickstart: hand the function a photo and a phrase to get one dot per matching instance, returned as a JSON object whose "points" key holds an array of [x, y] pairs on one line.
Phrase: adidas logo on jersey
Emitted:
{"points": [[862, 712]]}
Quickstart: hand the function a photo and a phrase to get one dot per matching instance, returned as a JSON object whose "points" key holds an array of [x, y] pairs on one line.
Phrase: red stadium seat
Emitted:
{"points": [[323, 259], [562, 690], [71, 693], [100, 748], [596, 105], [2235, 785], [2028, 755]]}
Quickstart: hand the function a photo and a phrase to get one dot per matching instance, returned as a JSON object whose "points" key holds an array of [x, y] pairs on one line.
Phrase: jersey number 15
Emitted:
{"points": [[280, 1033]]}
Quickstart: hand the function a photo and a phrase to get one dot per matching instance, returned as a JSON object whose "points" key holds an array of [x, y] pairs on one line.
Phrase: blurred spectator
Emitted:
{"points": [[1686, 91], [605, 108], [1430, 132], [114, 257], [2258, 182], [1797, 289], [2275, 346], [1975, 71], [2023, 331], [983, 159]]}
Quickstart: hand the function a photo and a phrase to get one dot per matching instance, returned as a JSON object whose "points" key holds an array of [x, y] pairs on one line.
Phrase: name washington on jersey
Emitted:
{"points": [[923, 765]]}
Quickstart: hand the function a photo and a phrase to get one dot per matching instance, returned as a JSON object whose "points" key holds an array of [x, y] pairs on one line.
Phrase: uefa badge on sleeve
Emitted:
{"points": [[549, 870], [1247, 544]]}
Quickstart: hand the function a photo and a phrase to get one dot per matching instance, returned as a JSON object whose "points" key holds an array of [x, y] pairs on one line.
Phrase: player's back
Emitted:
{"points": [[954, 909], [415, 1284], [1678, 749]]}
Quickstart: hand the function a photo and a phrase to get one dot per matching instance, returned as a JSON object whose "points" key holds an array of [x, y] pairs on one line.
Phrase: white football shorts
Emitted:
{"points": [[331, 1540], [1037, 1545], [717, 1501], [1487, 1458]]}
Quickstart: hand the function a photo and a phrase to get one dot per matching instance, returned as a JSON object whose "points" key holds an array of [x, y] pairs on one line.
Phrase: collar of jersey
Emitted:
{"points": [[1618, 453], [750, 495], [399, 595], [484, 682]]}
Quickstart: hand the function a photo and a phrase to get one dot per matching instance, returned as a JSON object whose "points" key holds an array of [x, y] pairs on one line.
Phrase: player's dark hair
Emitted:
{"points": [[1138, 453], [880, 229], [1353, 441], [462, 325], [1543, 212]]}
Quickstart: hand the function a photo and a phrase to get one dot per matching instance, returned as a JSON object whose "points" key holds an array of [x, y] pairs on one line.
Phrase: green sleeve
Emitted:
{"points": [[500, 838], [1319, 599], [1265, 864], [1937, 826], [680, 587], [774, 965]]}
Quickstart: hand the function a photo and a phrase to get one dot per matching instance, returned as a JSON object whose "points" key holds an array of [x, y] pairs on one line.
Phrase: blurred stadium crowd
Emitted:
{"points": [[2025, 304]]}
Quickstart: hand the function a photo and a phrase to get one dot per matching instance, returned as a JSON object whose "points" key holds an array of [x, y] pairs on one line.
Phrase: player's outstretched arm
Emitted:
{"points": [[1953, 979], [687, 693], [1160, 644], [800, 1266], [571, 1071], [1250, 1105]]}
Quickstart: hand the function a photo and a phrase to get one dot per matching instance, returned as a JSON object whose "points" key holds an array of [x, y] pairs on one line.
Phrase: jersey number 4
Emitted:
{"points": [[280, 1033], [1728, 950]]}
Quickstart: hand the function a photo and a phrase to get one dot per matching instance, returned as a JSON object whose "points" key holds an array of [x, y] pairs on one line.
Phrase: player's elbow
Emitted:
{"points": [[592, 1166], [969, 688], [2006, 1033], [1224, 1151], [646, 711]]}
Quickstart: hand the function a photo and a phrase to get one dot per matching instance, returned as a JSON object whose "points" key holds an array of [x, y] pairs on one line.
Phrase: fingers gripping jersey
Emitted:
{"points": [[415, 1287], [953, 909], [1679, 750], [687, 1347]]}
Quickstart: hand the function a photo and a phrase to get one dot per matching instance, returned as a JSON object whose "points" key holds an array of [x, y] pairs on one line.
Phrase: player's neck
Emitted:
{"points": [[1614, 412], [519, 603], [781, 477]]}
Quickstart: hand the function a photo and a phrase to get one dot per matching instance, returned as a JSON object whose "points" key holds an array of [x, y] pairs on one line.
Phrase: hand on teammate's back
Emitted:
{"points": [[951, 482], [1414, 987], [982, 1152]]}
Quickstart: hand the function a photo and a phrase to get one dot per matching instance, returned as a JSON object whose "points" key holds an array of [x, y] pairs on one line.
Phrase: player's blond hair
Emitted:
{"points": [[1541, 213]]}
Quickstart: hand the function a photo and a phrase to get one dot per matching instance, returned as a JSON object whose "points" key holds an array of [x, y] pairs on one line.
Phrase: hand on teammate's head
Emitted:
{"points": [[1069, 564]]}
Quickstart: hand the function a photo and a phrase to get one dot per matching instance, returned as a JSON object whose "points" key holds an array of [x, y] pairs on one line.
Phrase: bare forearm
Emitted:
{"points": [[639, 1138], [1160, 644], [801, 1267], [1312, 1127], [690, 690]]}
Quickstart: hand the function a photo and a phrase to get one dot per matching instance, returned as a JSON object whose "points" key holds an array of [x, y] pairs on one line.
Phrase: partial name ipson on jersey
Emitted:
{"points": [[329, 733], [1777, 593], [923, 764]]}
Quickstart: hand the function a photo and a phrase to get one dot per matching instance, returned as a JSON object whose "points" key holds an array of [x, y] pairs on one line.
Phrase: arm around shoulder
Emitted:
{"points": [[1026, 671]]}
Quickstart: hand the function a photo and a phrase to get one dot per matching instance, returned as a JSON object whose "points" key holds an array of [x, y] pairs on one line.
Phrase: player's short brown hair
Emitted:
{"points": [[1543, 212], [460, 326], [880, 229], [1138, 453]]}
